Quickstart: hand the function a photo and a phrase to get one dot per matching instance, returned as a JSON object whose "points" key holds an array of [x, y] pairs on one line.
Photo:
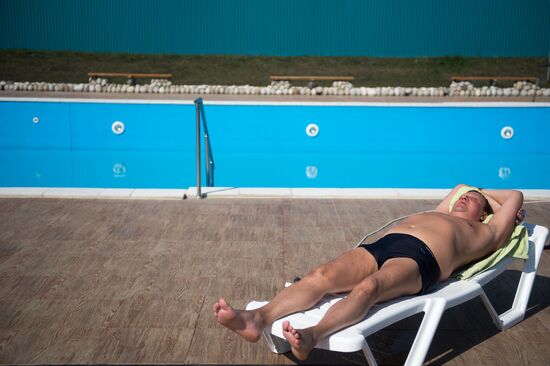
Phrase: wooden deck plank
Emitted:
{"points": [[120, 281]]}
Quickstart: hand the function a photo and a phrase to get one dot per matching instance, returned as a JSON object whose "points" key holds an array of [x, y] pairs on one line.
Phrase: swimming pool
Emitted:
{"points": [[74, 143]]}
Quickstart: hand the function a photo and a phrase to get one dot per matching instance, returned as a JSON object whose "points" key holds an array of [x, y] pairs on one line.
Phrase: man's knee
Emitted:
{"points": [[321, 275], [367, 289]]}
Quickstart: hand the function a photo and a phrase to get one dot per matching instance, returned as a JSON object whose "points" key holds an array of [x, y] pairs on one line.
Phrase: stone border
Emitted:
{"points": [[282, 88]]}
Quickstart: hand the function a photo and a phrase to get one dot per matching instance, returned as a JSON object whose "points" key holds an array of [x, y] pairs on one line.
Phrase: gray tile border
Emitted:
{"points": [[73, 192], [100, 193], [214, 192], [158, 194], [116, 193], [262, 192], [22, 191]]}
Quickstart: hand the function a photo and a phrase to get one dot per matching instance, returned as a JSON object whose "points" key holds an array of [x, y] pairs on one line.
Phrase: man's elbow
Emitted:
{"points": [[520, 193], [518, 197]]}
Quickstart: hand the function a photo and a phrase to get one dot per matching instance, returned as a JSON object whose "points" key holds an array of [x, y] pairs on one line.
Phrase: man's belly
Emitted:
{"points": [[438, 236]]}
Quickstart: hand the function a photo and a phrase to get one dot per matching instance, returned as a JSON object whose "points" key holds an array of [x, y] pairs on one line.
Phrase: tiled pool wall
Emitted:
{"points": [[262, 142]]}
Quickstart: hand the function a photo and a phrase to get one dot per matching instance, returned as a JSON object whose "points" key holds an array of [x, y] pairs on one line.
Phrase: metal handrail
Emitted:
{"points": [[209, 157]]}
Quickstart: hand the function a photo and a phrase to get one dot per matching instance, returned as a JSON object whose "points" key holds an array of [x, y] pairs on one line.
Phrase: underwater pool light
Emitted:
{"points": [[507, 132], [312, 130], [118, 128]]}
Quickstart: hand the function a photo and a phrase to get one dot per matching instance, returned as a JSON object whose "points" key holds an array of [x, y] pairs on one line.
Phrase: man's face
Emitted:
{"points": [[470, 206]]}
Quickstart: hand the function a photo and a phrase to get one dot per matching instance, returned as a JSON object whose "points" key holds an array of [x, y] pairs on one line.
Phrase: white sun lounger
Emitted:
{"points": [[449, 293]]}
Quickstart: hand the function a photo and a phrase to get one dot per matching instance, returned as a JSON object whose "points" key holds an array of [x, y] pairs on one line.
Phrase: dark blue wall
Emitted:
{"points": [[380, 28]]}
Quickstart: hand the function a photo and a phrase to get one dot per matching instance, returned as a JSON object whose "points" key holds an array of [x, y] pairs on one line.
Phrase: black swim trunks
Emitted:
{"points": [[407, 246]]}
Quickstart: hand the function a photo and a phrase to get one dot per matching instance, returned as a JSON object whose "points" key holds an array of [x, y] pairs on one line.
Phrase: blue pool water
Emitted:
{"points": [[68, 143]]}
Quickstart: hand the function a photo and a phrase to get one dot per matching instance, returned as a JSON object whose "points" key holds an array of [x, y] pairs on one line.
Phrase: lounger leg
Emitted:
{"points": [[491, 310], [433, 311], [276, 344], [517, 312], [525, 285], [368, 355]]}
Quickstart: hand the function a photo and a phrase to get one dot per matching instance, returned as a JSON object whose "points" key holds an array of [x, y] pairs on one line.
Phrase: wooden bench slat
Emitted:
{"points": [[311, 78], [496, 78]]}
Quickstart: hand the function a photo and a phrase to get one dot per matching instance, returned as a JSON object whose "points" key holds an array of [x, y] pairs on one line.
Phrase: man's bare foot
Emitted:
{"points": [[301, 341], [242, 322]]}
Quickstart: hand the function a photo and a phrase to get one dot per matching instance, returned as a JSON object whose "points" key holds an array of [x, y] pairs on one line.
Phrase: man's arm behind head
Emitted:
{"points": [[505, 204]]}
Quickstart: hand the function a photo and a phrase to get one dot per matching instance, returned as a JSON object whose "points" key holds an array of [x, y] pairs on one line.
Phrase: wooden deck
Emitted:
{"points": [[119, 281]]}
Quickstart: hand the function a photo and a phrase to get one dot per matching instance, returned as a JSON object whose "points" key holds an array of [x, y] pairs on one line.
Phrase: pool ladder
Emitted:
{"points": [[200, 116]]}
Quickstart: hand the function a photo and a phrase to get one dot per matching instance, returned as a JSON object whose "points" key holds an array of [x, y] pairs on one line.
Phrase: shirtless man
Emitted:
{"points": [[411, 258]]}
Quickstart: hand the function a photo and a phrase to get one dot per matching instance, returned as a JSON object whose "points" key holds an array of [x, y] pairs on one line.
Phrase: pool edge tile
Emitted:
{"points": [[534, 194], [249, 192], [116, 193], [73, 192], [22, 191], [266, 192], [214, 192], [146, 193]]}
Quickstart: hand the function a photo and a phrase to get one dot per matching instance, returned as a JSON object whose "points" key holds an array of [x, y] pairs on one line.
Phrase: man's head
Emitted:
{"points": [[472, 205]]}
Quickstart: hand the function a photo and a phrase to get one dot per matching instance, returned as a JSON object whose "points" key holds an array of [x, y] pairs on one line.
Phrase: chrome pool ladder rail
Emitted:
{"points": [[209, 157]]}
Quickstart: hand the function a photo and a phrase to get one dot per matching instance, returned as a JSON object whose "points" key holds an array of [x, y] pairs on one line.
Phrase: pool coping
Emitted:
{"points": [[95, 193], [241, 192]]}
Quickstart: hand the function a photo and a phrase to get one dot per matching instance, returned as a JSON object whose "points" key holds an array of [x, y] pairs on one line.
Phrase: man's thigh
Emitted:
{"points": [[398, 277], [349, 269]]}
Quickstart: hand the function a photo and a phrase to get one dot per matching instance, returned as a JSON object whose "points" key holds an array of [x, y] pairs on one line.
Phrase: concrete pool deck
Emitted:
{"points": [[96, 281]]}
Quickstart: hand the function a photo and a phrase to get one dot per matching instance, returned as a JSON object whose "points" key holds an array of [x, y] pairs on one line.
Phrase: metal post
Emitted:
{"points": [[207, 158], [198, 128]]}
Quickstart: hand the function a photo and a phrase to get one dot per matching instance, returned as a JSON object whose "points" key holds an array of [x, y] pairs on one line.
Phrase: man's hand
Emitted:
{"points": [[520, 216]]}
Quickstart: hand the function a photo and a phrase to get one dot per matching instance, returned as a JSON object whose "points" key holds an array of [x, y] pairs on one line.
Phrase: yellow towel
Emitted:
{"points": [[517, 246]]}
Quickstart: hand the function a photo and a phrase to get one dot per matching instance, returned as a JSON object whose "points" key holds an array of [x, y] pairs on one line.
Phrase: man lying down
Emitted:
{"points": [[411, 258]]}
